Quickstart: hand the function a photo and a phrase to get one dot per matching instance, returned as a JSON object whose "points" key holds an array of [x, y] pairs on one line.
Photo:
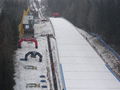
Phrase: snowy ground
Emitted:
{"points": [[104, 52], [74, 58], [25, 76], [83, 68], [28, 73]]}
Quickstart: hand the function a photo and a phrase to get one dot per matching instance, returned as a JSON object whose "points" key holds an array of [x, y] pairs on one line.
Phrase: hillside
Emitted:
{"points": [[63, 46], [96, 16]]}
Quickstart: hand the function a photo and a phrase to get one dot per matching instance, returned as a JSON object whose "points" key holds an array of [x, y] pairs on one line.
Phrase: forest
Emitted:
{"points": [[10, 16], [95, 16]]}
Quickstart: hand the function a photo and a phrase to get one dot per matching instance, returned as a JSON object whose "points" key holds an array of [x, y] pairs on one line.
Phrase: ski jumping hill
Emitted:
{"points": [[69, 62]]}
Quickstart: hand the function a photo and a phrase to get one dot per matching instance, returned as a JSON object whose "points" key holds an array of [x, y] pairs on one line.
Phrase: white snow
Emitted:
{"points": [[83, 69], [25, 76], [108, 56]]}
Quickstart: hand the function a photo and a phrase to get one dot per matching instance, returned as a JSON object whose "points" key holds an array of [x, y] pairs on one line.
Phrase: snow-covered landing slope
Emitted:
{"points": [[83, 69]]}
